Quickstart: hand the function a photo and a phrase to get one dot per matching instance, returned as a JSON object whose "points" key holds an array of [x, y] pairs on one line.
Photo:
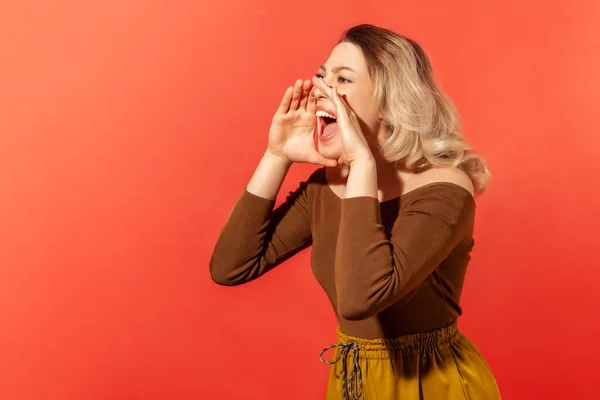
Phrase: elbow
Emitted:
{"points": [[219, 278], [225, 271], [355, 310], [222, 281], [219, 274], [367, 304]]}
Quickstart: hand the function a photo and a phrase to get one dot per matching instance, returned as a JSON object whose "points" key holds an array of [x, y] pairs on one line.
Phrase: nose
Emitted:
{"points": [[318, 93], [325, 81]]}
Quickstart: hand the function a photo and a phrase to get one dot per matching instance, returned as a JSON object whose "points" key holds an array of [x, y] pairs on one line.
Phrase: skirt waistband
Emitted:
{"points": [[350, 349], [373, 348]]}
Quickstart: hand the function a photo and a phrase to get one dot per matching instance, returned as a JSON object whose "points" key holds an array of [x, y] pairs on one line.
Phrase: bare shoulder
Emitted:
{"points": [[449, 175]]}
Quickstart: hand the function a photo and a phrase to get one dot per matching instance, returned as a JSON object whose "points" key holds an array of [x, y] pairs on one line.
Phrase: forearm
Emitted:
{"points": [[362, 179], [268, 176], [375, 268], [256, 237]]}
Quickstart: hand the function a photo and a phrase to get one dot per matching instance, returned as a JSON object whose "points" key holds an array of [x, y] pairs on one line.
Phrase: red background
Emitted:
{"points": [[128, 128]]}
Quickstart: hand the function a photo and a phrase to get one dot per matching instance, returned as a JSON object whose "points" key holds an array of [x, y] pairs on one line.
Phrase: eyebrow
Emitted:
{"points": [[337, 69]]}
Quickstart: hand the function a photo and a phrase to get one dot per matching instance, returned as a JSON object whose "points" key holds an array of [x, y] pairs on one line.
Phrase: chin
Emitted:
{"points": [[330, 150]]}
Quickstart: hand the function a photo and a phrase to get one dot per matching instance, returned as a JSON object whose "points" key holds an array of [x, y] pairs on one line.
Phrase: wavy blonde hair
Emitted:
{"points": [[422, 121]]}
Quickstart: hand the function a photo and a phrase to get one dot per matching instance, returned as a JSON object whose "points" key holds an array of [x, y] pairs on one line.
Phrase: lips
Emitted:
{"points": [[328, 110], [326, 123]]}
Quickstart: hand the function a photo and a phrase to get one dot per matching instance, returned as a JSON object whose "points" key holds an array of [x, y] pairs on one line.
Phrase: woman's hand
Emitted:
{"points": [[291, 136], [355, 146]]}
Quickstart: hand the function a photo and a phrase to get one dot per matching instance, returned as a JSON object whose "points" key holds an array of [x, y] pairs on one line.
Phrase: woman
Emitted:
{"points": [[390, 218]]}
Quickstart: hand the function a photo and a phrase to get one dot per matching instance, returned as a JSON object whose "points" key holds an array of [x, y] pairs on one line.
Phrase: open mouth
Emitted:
{"points": [[327, 124]]}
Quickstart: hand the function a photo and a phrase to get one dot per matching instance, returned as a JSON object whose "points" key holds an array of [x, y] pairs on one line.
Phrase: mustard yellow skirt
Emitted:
{"points": [[441, 364]]}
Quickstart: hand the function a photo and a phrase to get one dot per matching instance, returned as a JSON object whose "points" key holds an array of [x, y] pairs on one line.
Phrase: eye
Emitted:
{"points": [[341, 79], [320, 75]]}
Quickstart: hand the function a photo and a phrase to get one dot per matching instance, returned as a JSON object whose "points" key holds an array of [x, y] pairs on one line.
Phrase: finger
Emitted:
{"points": [[340, 106], [296, 95], [328, 162], [317, 158], [285, 102], [312, 100], [305, 93], [326, 90]]}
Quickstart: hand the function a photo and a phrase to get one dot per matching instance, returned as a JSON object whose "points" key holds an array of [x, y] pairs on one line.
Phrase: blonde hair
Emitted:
{"points": [[422, 121]]}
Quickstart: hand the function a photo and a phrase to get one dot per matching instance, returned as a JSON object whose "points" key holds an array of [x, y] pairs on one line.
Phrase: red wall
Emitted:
{"points": [[128, 128]]}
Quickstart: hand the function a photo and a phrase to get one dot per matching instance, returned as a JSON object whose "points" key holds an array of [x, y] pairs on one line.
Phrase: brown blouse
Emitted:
{"points": [[389, 268]]}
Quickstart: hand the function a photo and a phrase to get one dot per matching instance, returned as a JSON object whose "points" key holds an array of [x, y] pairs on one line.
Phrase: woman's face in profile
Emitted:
{"points": [[346, 70]]}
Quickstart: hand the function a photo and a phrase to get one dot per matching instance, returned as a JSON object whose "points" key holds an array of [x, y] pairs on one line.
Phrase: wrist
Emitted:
{"points": [[276, 160], [362, 179], [367, 162]]}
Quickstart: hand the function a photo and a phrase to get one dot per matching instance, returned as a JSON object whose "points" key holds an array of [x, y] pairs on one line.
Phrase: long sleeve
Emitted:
{"points": [[256, 238], [373, 271]]}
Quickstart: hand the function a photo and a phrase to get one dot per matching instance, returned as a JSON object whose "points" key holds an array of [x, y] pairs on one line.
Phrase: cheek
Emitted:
{"points": [[361, 102], [365, 110]]}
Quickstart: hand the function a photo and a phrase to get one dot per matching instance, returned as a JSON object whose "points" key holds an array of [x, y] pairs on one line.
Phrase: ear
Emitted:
{"points": [[381, 114], [385, 123]]}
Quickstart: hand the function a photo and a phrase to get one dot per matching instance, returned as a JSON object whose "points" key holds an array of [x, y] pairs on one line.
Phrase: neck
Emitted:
{"points": [[391, 179]]}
